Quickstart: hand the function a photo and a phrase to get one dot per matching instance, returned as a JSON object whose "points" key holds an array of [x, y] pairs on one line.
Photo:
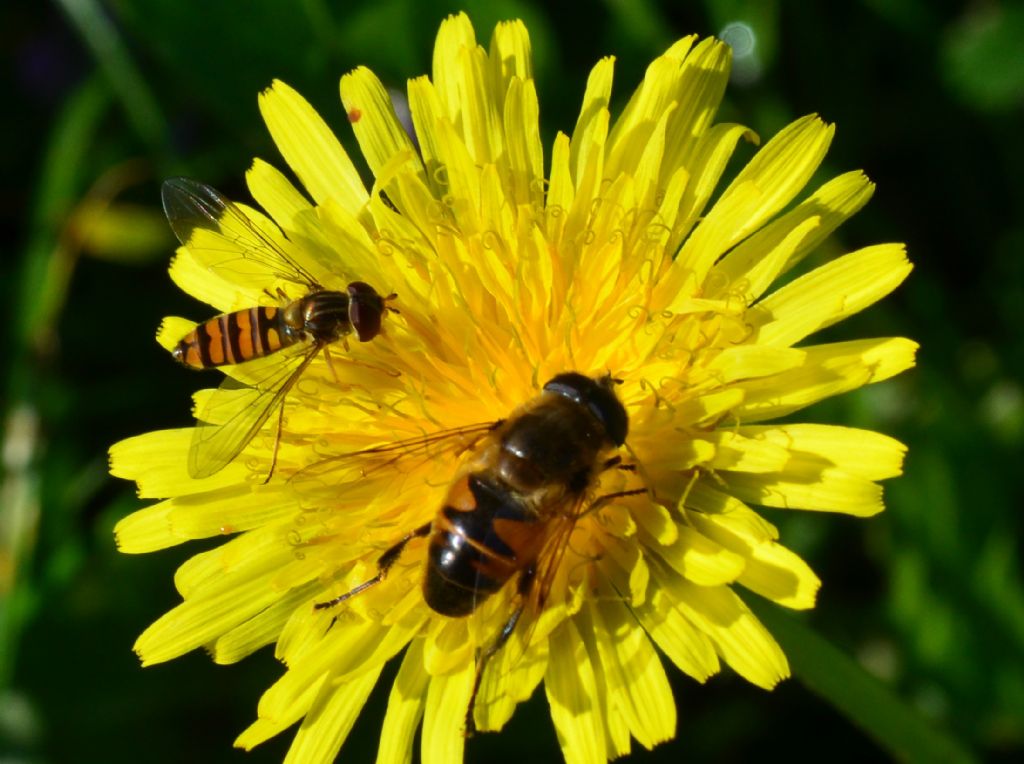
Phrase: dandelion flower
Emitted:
{"points": [[512, 265]]}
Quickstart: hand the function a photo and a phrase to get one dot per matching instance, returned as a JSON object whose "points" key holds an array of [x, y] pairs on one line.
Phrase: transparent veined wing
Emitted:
{"points": [[228, 240], [399, 456], [235, 412]]}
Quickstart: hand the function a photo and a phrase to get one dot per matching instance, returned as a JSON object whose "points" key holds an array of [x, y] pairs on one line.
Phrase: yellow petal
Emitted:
{"points": [[764, 186], [822, 489], [572, 693], [636, 682], [454, 35], [699, 91], [701, 560], [634, 129], [444, 720], [329, 721], [705, 496], [753, 361], [561, 189], [511, 678], [596, 98], [710, 157], [258, 548], [198, 621], [157, 461], [172, 330], [617, 736], [738, 636], [828, 370], [311, 148], [239, 508], [275, 193], [349, 649], [147, 530], [525, 155], [749, 269], [771, 570], [510, 55], [377, 128], [830, 293], [865, 453], [739, 454], [447, 646], [405, 708], [262, 629], [195, 278], [265, 728], [831, 205], [686, 646]]}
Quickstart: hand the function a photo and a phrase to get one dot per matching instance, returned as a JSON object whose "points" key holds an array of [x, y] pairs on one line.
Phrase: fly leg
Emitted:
{"points": [[526, 579], [277, 444], [330, 362], [384, 564]]}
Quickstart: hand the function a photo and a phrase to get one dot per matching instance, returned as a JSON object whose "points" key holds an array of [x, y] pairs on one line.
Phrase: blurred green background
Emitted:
{"points": [[104, 100]]}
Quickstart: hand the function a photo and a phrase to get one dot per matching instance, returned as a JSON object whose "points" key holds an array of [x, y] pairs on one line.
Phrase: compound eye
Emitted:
{"points": [[365, 310], [598, 397], [365, 319]]}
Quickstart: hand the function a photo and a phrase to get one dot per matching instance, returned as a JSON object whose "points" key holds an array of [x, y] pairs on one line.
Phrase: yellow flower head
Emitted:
{"points": [[510, 267]]}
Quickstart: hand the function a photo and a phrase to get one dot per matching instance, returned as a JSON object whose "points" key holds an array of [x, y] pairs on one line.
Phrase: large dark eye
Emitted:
{"points": [[365, 310], [599, 399]]}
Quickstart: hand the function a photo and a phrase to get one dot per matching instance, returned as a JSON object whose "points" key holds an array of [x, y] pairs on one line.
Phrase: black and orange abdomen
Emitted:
{"points": [[479, 540], [235, 337]]}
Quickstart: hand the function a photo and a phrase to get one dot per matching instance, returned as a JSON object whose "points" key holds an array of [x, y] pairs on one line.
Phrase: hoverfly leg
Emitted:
{"points": [[384, 564], [616, 462], [523, 586], [330, 362], [608, 498], [277, 444]]}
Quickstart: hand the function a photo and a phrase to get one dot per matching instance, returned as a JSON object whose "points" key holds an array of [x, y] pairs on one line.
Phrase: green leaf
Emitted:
{"points": [[982, 57], [856, 694]]}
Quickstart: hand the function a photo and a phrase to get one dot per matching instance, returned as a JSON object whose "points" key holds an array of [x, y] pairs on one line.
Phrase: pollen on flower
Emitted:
{"points": [[545, 468]]}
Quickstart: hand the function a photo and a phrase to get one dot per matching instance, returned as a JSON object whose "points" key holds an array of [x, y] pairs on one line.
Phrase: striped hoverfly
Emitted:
{"points": [[291, 334]]}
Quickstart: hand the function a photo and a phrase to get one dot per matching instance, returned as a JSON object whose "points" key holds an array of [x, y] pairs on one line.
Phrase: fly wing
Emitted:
{"points": [[398, 456], [227, 239], [524, 648], [235, 412]]}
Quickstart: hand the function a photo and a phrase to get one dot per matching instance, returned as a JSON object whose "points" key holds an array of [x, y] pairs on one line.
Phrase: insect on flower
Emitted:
{"points": [[511, 511], [495, 535], [293, 333]]}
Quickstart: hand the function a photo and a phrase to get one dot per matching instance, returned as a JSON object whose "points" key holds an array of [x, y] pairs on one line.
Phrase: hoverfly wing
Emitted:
{"points": [[526, 645], [401, 456], [232, 242], [236, 412]]}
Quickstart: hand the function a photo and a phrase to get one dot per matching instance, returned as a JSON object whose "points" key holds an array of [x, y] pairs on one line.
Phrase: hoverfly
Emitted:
{"points": [[510, 511], [293, 333]]}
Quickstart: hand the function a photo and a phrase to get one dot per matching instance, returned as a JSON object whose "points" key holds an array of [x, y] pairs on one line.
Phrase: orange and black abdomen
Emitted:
{"points": [[481, 537], [235, 337]]}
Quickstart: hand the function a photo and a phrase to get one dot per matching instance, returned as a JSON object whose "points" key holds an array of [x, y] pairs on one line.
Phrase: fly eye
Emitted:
{"points": [[365, 318]]}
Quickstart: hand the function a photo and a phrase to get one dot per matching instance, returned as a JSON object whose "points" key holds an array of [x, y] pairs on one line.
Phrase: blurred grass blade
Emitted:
{"points": [[102, 38], [45, 271], [856, 694]]}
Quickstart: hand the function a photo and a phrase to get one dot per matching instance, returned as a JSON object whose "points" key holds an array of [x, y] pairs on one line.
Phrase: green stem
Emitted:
{"points": [[128, 85], [858, 695]]}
